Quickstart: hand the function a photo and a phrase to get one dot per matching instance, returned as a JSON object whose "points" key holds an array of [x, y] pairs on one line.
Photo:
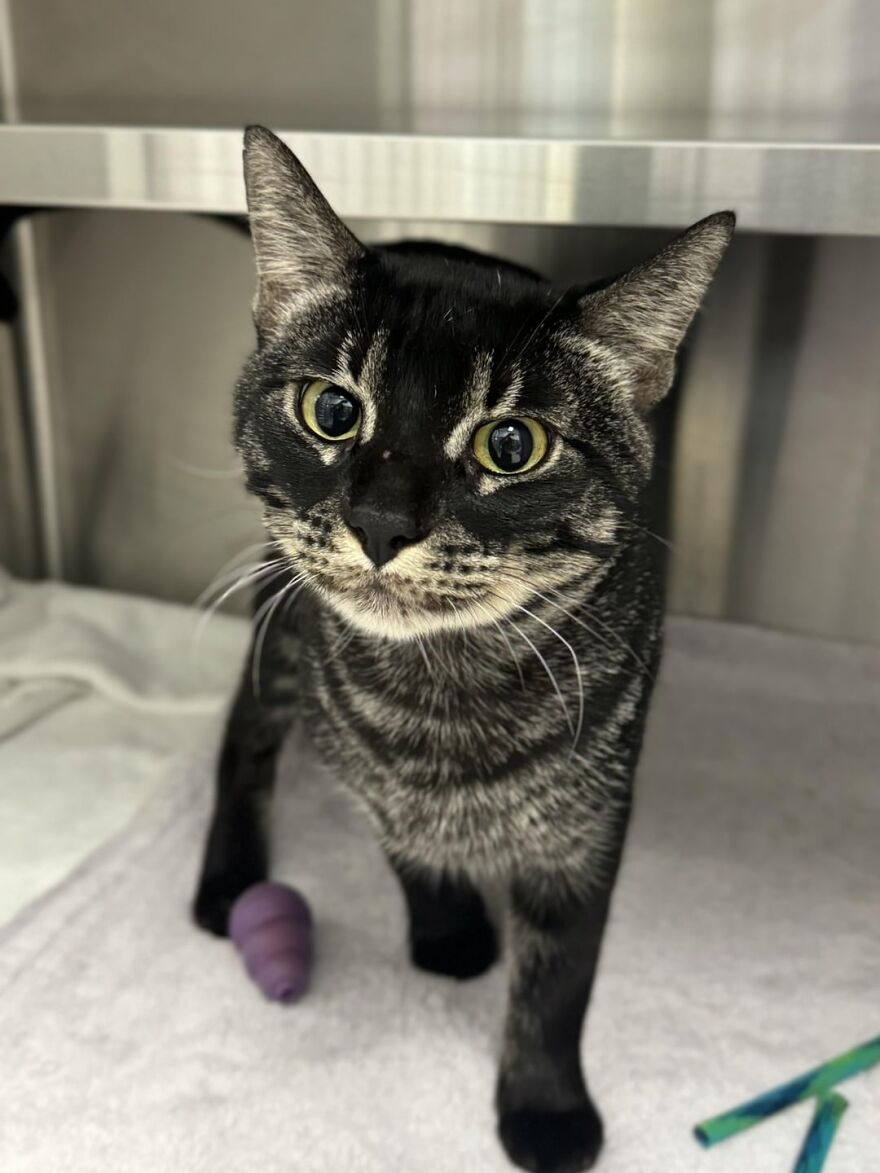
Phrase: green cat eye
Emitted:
{"points": [[511, 445], [329, 411]]}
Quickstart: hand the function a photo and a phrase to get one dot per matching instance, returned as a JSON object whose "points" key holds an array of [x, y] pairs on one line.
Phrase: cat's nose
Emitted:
{"points": [[382, 533]]}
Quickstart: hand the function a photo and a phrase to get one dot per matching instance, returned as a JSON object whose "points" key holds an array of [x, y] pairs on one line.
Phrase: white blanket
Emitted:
{"points": [[99, 694], [744, 947]]}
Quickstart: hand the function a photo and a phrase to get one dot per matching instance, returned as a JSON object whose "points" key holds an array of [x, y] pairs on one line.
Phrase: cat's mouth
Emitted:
{"points": [[398, 607], [426, 588], [401, 608], [394, 595]]}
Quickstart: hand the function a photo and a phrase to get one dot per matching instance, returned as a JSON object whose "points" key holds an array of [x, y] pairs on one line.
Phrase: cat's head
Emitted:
{"points": [[436, 436]]}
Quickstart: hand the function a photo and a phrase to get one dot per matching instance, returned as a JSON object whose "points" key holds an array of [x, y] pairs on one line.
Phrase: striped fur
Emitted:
{"points": [[483, 694]]}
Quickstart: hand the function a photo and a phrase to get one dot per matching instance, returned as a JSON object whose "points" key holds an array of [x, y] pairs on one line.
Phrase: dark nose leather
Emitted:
{"points": [[382, 533]]}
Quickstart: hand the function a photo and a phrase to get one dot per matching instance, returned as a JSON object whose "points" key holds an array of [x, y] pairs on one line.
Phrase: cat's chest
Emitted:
{"points": [[425, 725], [455, 774]]}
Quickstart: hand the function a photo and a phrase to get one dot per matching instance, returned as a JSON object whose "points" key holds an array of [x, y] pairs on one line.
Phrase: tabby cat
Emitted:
{"points": [[452, 458]]}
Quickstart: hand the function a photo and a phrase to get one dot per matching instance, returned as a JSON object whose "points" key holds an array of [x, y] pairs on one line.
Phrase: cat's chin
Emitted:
{"points": [[390, 619]]}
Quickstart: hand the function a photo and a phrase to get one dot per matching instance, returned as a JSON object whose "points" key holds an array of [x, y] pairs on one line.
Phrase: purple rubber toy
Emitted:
{"points": [[271, 926]]}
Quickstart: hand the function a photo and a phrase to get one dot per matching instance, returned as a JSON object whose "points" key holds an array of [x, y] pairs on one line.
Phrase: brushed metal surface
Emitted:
{"points": [[779, 187], [789, 70]]}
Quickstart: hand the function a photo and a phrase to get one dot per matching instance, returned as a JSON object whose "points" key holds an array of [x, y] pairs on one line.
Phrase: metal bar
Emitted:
{"points": [[789, 187], [30, 337], [34, 367]]}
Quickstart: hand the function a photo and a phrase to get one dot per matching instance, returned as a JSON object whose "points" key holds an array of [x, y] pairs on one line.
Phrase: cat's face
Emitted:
{"points": [[437, 437]]}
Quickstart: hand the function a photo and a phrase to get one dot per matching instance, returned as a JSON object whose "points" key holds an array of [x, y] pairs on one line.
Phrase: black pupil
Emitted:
{"points": [[510, 445], [336, 411]]}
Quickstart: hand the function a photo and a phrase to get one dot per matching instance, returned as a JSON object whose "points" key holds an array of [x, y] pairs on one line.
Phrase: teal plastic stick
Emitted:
{"points": [[805, 1087], [829, 1111]]}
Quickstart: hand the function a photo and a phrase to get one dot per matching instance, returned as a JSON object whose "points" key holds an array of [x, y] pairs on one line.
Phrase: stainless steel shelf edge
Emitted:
{"points": [[796, 187]]}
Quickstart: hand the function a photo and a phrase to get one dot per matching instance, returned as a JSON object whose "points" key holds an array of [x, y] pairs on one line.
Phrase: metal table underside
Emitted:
{"points": [[808, 187]]}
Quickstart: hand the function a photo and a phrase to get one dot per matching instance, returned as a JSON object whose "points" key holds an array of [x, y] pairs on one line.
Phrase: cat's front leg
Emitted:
{"points": [[546, 1119], [236, 853], [449, 930]]}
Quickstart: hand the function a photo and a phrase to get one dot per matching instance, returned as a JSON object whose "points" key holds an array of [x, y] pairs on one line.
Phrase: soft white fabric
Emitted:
{"points": [[744, 947], [98, 694], [137, 652]]}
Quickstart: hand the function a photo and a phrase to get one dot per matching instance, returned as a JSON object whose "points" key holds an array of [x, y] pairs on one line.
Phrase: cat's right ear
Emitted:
{"points": [[643, 316], [302, 247]]}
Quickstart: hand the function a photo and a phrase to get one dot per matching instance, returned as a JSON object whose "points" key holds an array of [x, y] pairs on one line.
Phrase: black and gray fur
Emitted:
{"points": [[484, 691]]}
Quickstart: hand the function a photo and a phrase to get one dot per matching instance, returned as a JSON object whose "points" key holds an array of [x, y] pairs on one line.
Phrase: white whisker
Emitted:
{"points": [[234, 565], [547, 669], [424, 654], [207, 474], [577, 669], [247, 578], [497, 623], [342, 642], [232, 576], [265, 572], [650, 534], [541, 322], [605, 626], [265, 613]]}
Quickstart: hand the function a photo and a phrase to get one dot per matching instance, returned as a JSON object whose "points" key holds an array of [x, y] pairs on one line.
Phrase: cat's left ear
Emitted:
{"points": [[302, 247], [641, 319]]}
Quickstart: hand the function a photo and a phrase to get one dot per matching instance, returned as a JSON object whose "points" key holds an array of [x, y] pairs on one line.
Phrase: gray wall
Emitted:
{"points": [[777, 463]]}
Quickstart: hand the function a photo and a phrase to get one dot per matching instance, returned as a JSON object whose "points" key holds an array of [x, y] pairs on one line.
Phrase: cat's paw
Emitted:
{"points": [[214, 900], [544, 1141], [464, 952]]}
